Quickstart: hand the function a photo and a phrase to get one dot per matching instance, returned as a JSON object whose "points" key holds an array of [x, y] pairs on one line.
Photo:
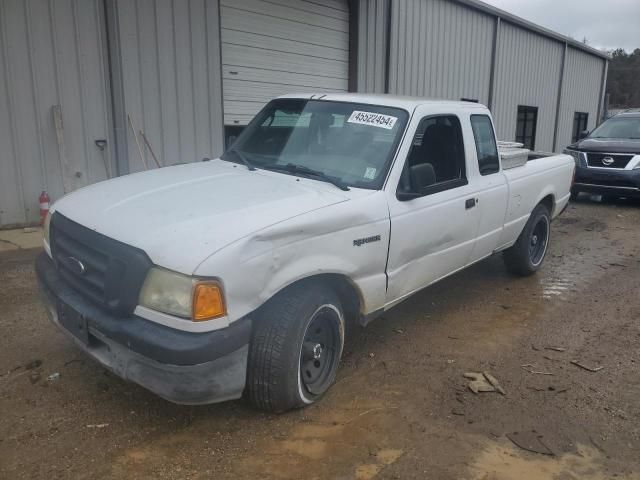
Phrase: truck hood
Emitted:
{"points": [[183, 214], [608, 145]]}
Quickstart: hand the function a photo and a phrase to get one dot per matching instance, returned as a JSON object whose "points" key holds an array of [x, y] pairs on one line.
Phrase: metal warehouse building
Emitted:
{"points": [[79, 77]]}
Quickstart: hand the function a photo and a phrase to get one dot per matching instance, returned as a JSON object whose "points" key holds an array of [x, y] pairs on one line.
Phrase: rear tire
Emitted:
{"points": [[295, 349], [525, 257], [574, 195]]}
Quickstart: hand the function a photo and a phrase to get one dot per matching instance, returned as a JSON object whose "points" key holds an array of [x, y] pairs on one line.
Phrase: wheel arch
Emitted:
{"points": [[548, 201], [350, 295]]}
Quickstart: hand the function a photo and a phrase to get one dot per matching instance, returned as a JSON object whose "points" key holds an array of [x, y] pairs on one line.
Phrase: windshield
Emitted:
{"points": [[618, 127], [349, 142]]}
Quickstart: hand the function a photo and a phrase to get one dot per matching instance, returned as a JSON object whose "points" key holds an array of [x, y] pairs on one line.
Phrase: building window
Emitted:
{"points": [[526, 126], [486, 148], [580, 120]]}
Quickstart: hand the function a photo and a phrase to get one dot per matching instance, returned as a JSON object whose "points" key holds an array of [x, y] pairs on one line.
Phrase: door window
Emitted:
{"points": [[436, 161], [486, 148]]}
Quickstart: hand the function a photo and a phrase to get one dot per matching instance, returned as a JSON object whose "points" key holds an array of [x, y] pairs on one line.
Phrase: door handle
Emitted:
{"points": [[470, 203]]}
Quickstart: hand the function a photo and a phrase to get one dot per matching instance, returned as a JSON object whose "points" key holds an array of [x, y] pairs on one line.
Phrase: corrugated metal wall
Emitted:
{"points": [[440, 49], [527, 73], [51, 53], [171, 73], [274, 47], [372, 45], [580, 92]]}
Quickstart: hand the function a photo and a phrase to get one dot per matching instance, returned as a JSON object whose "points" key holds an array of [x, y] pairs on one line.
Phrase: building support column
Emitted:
{"points": [[559, 101], [387, 46], [603, 90], [116, 81], [494, 50], [354, 20]]}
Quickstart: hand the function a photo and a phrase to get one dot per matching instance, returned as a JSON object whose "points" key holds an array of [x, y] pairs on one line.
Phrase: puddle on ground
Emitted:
{"points": [[502, 461]]}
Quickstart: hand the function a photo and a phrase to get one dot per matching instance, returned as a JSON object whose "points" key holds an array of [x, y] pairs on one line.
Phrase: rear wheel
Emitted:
{"points": [[574, 195], [526, 256], [295, 348]]}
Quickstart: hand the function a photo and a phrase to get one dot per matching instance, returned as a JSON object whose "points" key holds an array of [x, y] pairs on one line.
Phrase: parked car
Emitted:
{"points": [[608, 158], [208, 280]]}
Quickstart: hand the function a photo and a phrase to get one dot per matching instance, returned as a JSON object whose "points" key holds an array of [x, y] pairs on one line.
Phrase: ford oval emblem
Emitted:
{"points": [[607, 161], [75, 265]]}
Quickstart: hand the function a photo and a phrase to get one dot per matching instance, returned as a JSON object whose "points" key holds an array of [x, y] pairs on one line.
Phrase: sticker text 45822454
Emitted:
{"points": [[373, 119]]}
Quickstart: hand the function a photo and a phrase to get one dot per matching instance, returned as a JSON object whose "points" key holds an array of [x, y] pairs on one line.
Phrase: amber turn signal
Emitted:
{"points": [[208, 301]]}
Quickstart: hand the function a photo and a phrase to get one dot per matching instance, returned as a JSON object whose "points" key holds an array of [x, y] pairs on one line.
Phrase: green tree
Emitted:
{"points": [[623, 79]]}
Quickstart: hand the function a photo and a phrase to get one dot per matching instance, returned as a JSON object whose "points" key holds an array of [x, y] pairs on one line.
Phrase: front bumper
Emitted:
{"points": [[607, 181], [182, 367]]}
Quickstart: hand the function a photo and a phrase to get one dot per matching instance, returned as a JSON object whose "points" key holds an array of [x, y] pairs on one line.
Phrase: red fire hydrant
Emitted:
{"points": [[44, 206]]}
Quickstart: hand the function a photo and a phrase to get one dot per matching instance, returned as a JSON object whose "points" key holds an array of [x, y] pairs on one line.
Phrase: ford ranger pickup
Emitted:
{"points": [[207, 281]]}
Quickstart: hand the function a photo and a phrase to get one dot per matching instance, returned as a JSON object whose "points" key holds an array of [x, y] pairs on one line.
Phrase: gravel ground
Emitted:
{"points": [[401, 407]]}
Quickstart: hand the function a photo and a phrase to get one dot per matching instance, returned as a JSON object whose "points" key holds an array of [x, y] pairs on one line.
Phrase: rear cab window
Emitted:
{"points": [[486, 148]]}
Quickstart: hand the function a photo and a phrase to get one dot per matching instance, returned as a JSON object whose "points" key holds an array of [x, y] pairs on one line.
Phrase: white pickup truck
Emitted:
{"points": [[206, 281]]}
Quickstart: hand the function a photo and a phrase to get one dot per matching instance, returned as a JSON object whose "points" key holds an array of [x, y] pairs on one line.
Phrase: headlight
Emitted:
{"points": [[181, 295], [575, 154], [46, 227]]}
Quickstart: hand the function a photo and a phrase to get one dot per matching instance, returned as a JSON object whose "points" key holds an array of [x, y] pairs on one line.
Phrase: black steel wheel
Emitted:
{"points": [[526, 256], [539, 240], [295, 348], [320, 352]]}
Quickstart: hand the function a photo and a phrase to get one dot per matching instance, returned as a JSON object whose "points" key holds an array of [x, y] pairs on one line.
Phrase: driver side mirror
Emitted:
{"points": [[583, 134], [421, 176]]}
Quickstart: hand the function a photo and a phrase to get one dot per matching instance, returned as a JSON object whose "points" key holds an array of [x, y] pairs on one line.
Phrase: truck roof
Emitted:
{"points": [[401, 101]]}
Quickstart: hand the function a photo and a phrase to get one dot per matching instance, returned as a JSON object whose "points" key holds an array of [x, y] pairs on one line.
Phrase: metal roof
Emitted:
{"points": [[521, 22]]}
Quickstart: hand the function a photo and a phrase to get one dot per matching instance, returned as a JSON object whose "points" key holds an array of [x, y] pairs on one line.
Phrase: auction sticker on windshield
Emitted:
{"points": [[373, 119]]}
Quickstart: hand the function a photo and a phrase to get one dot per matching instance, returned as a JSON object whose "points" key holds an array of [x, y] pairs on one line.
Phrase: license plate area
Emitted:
{"points": [[74, 322]]}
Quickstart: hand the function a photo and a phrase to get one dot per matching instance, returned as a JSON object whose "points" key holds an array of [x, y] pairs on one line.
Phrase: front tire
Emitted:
{"points": [[295, 348], [525, 257]]}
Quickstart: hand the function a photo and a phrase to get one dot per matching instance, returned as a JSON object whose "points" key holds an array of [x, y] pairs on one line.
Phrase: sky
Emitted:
{"points": [[606, 24]]}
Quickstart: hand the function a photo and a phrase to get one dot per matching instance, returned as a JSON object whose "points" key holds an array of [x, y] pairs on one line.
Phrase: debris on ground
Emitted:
{"points": [[98, 425], [494, 382], [585, 367], [398, 330], [530, 441], [527, 367], [483, 382], [556, 349], [550, 388], [54, 377]]}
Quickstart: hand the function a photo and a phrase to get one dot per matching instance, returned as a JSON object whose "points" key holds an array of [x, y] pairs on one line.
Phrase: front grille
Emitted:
{"points": [[608, 160], [101, 269]]}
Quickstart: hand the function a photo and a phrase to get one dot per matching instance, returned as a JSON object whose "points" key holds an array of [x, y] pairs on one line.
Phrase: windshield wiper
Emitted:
{"points": [[242, 157], [302, 170]]}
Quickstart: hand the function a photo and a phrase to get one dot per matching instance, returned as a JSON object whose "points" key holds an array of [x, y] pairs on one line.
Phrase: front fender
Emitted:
{"points": [[253, 269]]}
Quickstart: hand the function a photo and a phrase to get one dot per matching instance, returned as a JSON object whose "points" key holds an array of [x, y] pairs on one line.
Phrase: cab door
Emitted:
{"points": [[432, 201], [491, 186]]}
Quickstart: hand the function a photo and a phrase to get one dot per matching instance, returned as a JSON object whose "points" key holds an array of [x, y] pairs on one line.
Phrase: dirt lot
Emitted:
{"points": [[400, 408]]}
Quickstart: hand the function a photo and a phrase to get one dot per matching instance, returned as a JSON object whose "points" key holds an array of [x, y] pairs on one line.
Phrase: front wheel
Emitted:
{"points": [[295, 348], [526, 256]]}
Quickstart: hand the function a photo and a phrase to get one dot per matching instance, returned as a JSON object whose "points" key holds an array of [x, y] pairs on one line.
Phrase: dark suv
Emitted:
{"points": [[608, 159]]}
